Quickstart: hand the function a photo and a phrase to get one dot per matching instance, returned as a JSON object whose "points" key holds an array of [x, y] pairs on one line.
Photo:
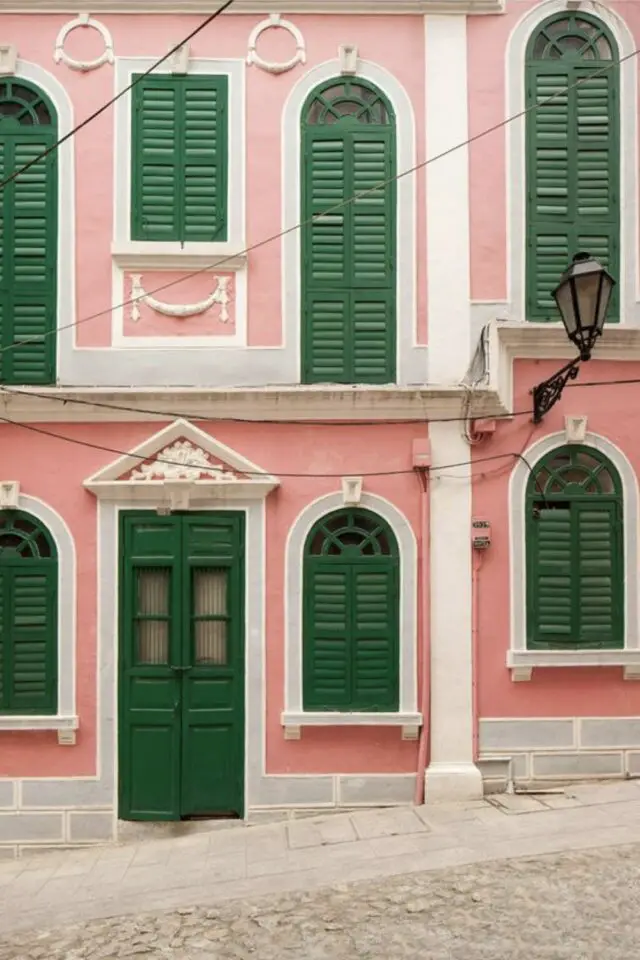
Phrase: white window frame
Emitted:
{"points": [[522, 661]]}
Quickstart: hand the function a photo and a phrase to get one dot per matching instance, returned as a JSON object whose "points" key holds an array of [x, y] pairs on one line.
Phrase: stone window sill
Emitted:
{"points": [[161, 255], [522, 662], [293, 721], [65, 726]]}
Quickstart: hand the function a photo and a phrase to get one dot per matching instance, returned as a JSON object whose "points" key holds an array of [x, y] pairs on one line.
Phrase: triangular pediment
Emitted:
{"points": [[181, 462]]}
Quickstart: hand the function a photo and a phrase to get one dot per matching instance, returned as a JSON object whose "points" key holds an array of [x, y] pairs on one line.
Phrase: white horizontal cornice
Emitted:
{"points": [[258, 6]]}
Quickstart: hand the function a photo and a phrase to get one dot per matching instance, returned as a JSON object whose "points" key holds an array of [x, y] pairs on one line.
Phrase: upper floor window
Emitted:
{"points": [[180, 142], [28, 616], [573, 156], [348, 256], [575, 553], [351, 614], [28, 235]]}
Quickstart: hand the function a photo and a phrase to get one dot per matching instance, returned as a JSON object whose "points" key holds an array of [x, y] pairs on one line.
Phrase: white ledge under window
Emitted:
{"points": [[65, 726], [147, 255], [293, 721], [522, 662]]}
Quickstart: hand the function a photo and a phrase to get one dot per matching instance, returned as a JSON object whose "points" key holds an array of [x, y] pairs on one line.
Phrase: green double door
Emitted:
{"points": [[181, 740]]}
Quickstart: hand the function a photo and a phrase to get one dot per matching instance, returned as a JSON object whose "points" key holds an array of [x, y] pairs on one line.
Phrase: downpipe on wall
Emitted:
{"points": [[425, 700]]}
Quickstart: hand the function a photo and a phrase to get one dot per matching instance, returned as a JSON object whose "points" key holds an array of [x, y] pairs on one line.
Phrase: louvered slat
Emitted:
{"points": [[32, 621], [371, 217], [328, 345], [327, 679], [375, 632], [372, 336], [325, 237], [156, 180], [204, 161], [597, 575], [550, 578]]}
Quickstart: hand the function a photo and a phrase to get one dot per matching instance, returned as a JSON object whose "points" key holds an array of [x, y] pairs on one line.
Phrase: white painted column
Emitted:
{"points": [[452, 774]]}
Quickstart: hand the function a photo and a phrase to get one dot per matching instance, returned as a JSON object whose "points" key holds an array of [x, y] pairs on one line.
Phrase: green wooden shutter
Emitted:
{"points": [[550, 592], [349, 271], [598, 575], [375, 637], [28, 255], [327, 655], [573, 164], [28, 645], [179, 182]]}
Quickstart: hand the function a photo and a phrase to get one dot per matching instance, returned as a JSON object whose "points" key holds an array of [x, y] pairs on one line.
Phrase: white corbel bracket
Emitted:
{"points": [[9, 494], [270, 66], [84, 20]]}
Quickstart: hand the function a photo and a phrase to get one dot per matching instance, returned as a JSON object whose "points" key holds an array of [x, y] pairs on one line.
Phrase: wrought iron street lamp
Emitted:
{"points": [[583, 297]]}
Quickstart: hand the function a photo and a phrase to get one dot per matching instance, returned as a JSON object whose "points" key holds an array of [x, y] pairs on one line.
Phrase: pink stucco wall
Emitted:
{"points": [[227, 38], [488, 39], [611, 412], [54, 470]]}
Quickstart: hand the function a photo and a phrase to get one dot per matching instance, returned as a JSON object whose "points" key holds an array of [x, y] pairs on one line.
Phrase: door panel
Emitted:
{"points": [[182, 659]]}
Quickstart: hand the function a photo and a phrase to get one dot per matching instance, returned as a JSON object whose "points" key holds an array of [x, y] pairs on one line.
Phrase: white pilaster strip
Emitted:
{"points": [[447, 124]]}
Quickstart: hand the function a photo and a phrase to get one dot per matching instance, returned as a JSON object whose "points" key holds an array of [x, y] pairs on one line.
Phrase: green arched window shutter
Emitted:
{"points": [[573, 155], [28, 616], [348, 256], [351, 614], [179, 142], [28, 236], [575, 552]]}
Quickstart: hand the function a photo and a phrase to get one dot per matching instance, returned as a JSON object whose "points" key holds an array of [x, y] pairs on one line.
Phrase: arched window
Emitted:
{"points": [[28, 615], [351, 614], [575, 552], [573, 155], [28, 235], [348, 256]]}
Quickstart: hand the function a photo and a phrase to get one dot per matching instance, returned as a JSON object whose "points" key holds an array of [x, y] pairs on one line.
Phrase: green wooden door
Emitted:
{"points": [[28, 236], [182, 666]]}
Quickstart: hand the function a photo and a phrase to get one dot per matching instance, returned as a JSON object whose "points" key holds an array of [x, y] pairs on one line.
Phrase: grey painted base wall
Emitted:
{"points": [[541, 752], [31, 819]]}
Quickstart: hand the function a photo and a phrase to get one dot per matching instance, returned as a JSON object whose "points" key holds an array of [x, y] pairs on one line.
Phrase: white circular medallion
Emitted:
{"points": [[84, 20], [276, 21]]}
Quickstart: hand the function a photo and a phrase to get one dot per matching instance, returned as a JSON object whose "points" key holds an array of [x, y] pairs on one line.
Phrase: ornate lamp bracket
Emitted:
{"points": [[547, 393]]}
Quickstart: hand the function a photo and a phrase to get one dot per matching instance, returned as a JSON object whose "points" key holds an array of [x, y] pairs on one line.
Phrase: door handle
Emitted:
{"points": [[180, 669]]}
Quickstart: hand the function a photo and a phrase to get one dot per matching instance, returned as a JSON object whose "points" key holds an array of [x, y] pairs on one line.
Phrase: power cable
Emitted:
{"points": [[97, 113], [330, 210], [248, 473]]}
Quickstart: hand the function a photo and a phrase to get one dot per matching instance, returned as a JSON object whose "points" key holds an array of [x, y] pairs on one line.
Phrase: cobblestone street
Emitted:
{"points": [[516, 877], [573, 906]]}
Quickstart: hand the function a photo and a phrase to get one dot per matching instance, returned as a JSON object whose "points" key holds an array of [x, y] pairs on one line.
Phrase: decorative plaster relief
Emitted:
{"points": [[181, 311], [274, 20], [183, 461], [84, 20]]}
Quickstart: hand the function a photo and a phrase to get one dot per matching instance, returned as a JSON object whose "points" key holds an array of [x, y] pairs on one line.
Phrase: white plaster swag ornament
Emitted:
{"points": [[84, 20], [180, 311], [275, 20], [183, 461]]}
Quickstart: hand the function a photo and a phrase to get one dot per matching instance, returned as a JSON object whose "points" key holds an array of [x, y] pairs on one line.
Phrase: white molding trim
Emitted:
{"points": [[294, 554], [447, 199], [65, 718], [410, 359], [461, 7], [147, 255], [66, 250], [518, 655], [192, 485], [304, 718], [516, 155], [234, 70]]}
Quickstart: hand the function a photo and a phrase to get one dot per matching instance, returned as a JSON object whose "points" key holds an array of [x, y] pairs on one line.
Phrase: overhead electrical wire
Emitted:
{"points": [[325, 213], [288, 476]]}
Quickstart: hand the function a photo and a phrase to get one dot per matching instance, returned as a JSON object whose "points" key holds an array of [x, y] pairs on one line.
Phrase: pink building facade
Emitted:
{"points": [[243, 451]]}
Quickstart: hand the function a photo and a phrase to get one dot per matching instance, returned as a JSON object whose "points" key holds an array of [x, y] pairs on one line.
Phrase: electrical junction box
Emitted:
{"points": [[480, 534]]}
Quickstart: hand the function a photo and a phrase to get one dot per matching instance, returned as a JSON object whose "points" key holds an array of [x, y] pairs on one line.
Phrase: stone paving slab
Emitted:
{"points": [[209, 868]]}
